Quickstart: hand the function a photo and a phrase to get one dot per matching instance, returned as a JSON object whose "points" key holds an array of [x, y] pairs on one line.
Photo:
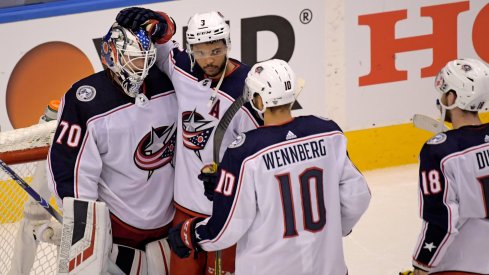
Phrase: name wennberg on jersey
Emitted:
{"points": [[294, 153]]}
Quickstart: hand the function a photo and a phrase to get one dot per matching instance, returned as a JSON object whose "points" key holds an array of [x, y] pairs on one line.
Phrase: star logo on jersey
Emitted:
{"points": [[486, 138], [196, 132], [156, 149], [429, 246]]}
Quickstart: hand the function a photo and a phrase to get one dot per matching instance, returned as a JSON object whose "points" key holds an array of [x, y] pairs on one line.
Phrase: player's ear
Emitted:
{"points": [[451, 97], [258, 101]]}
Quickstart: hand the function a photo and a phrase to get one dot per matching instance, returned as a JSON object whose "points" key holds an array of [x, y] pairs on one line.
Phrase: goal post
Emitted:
{"points": [[25, 151]]}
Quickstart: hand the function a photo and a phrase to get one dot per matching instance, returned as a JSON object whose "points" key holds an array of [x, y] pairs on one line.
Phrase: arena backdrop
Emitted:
{"points": [[369, 64]]}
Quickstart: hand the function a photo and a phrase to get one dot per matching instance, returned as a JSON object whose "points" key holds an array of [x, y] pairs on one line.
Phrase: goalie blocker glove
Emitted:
{"points": [[159, 25], [182, 239]]}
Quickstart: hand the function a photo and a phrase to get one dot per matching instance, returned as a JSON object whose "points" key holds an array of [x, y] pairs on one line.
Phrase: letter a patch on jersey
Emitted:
{"points": [[215, 109]]}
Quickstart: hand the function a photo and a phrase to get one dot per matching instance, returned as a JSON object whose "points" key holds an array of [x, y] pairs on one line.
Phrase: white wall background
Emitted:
{"points": [[80, 29], [331, 51]]}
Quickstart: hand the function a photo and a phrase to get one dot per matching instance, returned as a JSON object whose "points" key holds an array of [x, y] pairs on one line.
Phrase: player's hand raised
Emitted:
{"points": [[208, 175], [159, 25], [181, 238]]}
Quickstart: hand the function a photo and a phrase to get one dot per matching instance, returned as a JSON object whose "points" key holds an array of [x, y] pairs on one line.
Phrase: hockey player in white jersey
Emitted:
{"points": [[207, 81], [286, 193], [454, 177], [115, 143]]}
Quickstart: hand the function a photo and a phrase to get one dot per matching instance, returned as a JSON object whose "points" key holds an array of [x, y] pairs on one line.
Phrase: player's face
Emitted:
{"points": [[211, 57], [136, 64]]}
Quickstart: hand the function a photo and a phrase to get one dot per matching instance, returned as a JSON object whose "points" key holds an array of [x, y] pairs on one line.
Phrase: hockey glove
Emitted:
{"points": [[208, 175], [181, 238], [159, 25]]}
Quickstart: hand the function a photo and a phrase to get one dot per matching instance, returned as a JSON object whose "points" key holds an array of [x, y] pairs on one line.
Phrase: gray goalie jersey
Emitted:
{"points": [[286, 192], [109, 147], [454, 201]]}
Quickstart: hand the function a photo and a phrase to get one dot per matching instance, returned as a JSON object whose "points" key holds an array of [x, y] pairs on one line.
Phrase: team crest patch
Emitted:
{"points": [[238, 141], [440, 138], [85, 93]]}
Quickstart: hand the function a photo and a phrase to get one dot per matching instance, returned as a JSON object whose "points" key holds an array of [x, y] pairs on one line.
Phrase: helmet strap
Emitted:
{"points": [[216, 89]]}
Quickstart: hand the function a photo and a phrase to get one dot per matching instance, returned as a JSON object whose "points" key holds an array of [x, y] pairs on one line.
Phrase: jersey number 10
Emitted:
{"points": [[314, 175]]}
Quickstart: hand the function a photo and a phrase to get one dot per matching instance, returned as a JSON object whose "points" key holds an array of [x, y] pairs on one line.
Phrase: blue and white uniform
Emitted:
{"points": [[286, 192], [110, 148], [197, 120], [454, 202]]}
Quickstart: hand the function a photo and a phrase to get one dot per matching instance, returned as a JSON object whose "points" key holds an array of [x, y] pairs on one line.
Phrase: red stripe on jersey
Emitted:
{"points": [[257, 154], [167, 270], [445, 196], [87, 136], [421, 239]]}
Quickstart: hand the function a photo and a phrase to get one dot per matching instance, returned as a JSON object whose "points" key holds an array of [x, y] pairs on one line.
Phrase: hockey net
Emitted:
{"points": [[23, 150]]}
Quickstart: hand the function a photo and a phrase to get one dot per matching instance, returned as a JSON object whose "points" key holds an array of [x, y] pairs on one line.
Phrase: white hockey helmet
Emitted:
{"points": [[207, 27], [274, 81], [469, 78], [129, 55]]}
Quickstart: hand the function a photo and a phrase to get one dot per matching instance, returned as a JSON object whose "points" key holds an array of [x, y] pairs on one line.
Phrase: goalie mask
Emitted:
{"points": [[129, 55], [207, 27], [274, 81], [469, 78]]}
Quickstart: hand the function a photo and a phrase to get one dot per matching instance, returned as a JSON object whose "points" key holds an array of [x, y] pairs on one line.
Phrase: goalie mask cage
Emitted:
{"points": [[23, 150]]}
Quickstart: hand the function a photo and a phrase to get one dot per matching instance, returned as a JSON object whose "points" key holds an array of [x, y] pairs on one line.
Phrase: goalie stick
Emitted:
{"points": [[31, 192], [428, 123], [112, 267]]}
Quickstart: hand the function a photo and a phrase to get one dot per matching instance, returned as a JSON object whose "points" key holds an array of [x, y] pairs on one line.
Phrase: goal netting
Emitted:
{"points": [[24, 150]]}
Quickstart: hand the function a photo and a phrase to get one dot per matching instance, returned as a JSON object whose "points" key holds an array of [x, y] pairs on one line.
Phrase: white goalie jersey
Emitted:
{"points": [[109, 147], [286, 192]]}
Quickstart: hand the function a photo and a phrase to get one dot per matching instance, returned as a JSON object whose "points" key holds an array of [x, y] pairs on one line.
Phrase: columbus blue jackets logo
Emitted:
{"points": [[156, 149], [438, 139], [240, 139], [85, 93], [196, 131]]}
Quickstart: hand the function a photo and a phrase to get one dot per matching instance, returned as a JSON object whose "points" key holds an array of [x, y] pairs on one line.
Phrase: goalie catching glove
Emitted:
{"points": [[159, 25], [182, 239]]}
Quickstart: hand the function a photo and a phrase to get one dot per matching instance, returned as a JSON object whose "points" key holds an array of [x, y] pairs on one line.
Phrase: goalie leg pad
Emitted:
{"points": [[158, 257], [86, 238], [129, 260]]}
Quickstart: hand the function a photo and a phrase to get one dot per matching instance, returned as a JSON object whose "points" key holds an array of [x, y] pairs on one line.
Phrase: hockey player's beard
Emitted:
{"points": [[213, 70]]}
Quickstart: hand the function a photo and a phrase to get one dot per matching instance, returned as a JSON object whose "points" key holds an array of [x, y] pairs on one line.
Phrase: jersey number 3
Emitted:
{"points": [[313, 224]]}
